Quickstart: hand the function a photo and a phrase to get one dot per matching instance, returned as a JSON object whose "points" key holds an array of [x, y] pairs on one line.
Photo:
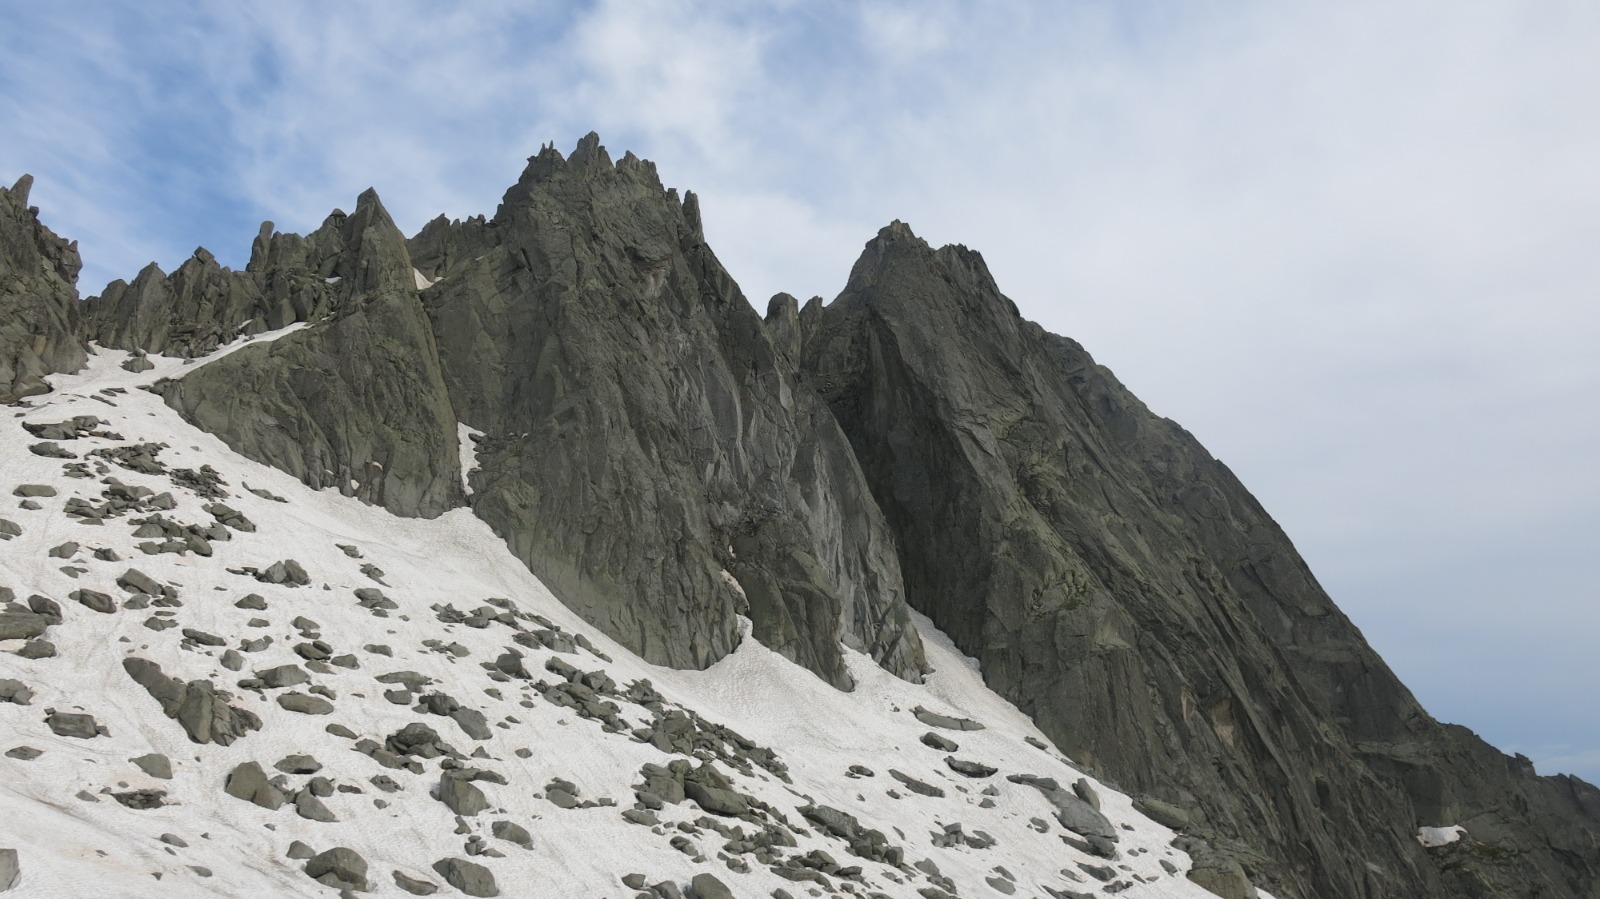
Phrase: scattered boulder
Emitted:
{"points": [[916, 786], [934, 719], [415, 886], [15, 691], [287, 572], [942, 744], [705, 886], [248, 782], [460, 796], [72, 724], [468, 877], [339, 867], [201, 709], [305, 704], [968, 768], [1164, 813], [94, 600], [512, 832], [10, 869], [154, 765]]}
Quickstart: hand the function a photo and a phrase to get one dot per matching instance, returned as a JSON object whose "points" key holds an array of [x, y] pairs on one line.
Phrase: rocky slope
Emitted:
{"points": [[1127, 592], [579, 377], [218, 682]]}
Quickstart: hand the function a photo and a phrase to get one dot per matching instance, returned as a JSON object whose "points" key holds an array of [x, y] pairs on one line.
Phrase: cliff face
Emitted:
{"points": [[1125, 590], [647, 451], [40, 324], [353, 401]]}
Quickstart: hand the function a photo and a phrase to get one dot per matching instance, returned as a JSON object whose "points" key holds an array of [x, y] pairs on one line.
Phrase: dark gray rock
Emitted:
{"points": [[135, 581], [653, 410], [512, 832], [34, 490], [154, 765], [10, 869], [339, 867], [469, 877], [968, 768], [1163, 813], [415, 886], [198, 706], [934, 719], [707, 886], [305, 704], [298, 764], [355, 399], [716, 800], [73, 724], [300, 851], [15, 691], [41, 326], [283, 676], [248, 782], [916, 786], [16, 625], [308, 806], [938, 742], [1116, 581], [459, 794], [94, 600]]}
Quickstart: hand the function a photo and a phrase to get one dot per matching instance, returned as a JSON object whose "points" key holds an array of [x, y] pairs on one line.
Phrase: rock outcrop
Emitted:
{"points": [[648, 452], [1125, 590], [40, 323], [353, 401]]}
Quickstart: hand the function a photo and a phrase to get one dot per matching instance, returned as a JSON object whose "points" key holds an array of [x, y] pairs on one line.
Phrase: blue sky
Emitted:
{"points": [[1350, 246]]}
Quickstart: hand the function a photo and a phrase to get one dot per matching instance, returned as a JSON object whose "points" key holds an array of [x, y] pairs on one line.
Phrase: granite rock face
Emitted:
{"points": [[648, 451], [352, 401], [40, 322], [1124, 589]]}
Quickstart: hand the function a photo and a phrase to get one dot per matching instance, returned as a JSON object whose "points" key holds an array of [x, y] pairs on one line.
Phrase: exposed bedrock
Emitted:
{"points": [[1125, 590]]}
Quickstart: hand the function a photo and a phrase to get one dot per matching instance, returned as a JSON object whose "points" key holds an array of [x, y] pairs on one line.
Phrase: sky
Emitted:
{"points": [[1354, 248]]}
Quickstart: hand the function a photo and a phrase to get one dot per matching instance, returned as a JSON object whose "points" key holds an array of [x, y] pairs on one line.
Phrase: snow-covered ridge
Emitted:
{"points": [[569, 725]]}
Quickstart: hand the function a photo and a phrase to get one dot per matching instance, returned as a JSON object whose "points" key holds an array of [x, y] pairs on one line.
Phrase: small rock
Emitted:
{"points": [[70, 724]]}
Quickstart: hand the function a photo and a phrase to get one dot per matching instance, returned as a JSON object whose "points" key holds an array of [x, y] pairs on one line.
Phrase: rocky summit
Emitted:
{"points": [[522, 557]]}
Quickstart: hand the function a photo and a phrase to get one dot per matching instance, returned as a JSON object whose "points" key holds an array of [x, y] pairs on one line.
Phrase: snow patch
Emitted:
{"points": [[423, 281], [469, 454], [1434, 837]]}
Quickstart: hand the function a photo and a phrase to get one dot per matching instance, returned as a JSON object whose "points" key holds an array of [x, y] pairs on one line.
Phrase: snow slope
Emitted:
{"points": [[75, 839]]}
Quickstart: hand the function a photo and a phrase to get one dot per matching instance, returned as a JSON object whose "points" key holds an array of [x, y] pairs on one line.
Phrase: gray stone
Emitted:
{"points": [[968, 768], [283, 676], [248, 782], [460, 795], [938, 742], [916, 786], [308, 806], [298, 764], [34, 490], [706, 886], [73, 724], [716, 800], [339, 867], [469, 877], [135, 581], [10, 869], [15, 691], [934, 719], [202, 710], [304, 704], [95, 600], [415, 886], [1164, 813], [512, 832], [22, 625], [154, 765], [300, 851]]}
